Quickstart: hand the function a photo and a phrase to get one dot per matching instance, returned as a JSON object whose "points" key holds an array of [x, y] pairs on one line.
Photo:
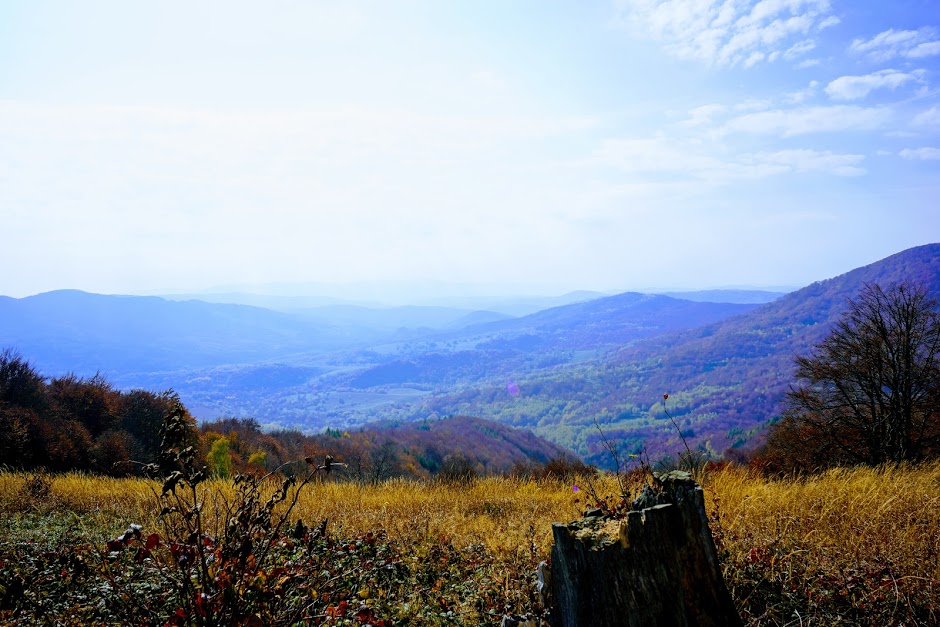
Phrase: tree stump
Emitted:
{"points": [[656, 566]]}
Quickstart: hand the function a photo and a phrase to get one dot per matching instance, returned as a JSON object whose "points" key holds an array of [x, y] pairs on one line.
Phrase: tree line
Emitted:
{"points": [[73, 423], [70, 423], [868, 393]]}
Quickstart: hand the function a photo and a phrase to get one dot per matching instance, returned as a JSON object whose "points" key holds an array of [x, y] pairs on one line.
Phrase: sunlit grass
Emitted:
{"points": [[496, 512], [839, 517], [856, 538], [842, 544], [493, 511]]}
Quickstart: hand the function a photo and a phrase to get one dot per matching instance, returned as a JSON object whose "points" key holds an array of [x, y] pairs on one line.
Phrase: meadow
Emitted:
{"points": [[847, 547]]}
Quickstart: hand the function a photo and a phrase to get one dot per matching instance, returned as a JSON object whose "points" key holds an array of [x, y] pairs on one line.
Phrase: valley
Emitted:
{"points": [[575, 373]]}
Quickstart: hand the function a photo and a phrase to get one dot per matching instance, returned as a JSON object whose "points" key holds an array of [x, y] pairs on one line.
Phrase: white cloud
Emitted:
{"points": [[752, 104], [926, 49], [929, 118], [703, 115], [921, 154], [805, 120], [682, 160], [801, 96], [911, 44], [855, 87], [798, 49], [730, 32], [817, 161]]}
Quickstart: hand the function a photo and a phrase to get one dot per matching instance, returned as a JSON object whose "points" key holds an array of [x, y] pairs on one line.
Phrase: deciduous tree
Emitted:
{"points": [[870, 392]]}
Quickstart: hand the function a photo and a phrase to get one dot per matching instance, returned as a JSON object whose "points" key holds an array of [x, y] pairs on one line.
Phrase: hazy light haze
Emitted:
{"points": [[558, 146]]}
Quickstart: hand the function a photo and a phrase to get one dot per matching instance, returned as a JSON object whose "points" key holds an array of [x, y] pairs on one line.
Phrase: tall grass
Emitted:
{"points": [[494, 511], [858, 546]]}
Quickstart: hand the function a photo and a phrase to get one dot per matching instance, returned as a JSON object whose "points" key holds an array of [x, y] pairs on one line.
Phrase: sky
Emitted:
{"points": [[547, 146]]}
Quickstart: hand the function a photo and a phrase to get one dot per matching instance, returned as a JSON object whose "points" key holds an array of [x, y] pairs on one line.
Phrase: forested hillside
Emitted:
{"points": [[308, 369], [725, 380], [84, 424], [725, 366], [455, 448]]}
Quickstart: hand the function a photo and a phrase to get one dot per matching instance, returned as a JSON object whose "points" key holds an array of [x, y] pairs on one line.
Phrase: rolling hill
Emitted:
{"points": [[414, 449], [359, 386], [74, 331], [726, 380], [330, 367], [725, 366]]}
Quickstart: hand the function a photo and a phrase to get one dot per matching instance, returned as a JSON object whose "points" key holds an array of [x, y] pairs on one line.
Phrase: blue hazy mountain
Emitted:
{"points": [[74, 331], [725, 380]]}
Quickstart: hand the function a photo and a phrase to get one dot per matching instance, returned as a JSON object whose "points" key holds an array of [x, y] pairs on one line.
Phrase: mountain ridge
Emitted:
{"points": [[610, 359], [725, 380]]}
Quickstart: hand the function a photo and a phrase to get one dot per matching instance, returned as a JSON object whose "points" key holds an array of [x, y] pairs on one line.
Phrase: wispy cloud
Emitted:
{"points": [[703, 115], [928, 119], [921, 154], [802, 95], [855, 87], [682, 160], [799, 49], [730, 32], [911, 44], [817, 161], [806, 120]]}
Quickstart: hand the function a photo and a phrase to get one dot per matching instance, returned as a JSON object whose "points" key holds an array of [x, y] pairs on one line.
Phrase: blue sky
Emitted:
{"points": [[545, 145]]}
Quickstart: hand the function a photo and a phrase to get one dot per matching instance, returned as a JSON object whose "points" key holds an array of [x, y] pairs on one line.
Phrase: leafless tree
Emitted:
{"points": [[870, 391]]}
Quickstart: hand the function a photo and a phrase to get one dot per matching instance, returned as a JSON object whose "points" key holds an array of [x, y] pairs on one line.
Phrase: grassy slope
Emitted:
{"points": [[851, 547]]}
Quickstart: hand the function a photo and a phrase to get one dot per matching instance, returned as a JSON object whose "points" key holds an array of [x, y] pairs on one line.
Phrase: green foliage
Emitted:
{"points": [[259, 459], [220, 459]]}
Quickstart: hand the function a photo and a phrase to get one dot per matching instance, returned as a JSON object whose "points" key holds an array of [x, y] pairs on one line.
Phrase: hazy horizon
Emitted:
{"points": [[605, 146], [394, 294]]}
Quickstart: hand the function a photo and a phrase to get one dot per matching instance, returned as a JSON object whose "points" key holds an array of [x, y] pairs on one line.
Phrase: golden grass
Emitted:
{"points": [[494, 511], [76, 492], [842, 517], [813, 538], [849, 546]]}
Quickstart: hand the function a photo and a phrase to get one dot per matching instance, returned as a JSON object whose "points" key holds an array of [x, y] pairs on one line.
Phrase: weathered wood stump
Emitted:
{"points": [[656, 566]]}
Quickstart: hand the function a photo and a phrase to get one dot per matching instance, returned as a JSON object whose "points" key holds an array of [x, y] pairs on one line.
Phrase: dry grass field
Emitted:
{"points": [[852, 547]]}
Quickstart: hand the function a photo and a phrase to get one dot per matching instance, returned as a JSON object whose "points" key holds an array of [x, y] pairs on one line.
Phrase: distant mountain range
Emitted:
{"points": [[385, 296], [725, 380], [728, 296], [75, 331], [724, 357], [328, 366]]}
